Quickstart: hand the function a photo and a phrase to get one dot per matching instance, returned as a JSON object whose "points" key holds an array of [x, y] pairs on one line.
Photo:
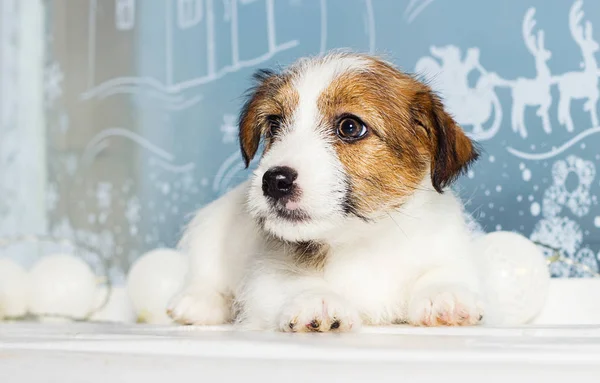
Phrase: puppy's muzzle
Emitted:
{"points": [[278, 182]]}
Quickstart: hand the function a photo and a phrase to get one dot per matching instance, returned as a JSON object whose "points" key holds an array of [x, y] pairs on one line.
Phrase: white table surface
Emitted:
{"points": [[135, 353]]}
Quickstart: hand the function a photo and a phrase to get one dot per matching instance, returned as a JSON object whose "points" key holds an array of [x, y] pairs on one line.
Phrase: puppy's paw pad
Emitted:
{"points": [[314, 312], [200, 308], [445, 306]]}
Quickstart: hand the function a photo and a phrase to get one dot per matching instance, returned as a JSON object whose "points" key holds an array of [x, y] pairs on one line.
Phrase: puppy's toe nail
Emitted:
{"points": [[335, 325], [463, 315], [313, 325], [444, 318]]}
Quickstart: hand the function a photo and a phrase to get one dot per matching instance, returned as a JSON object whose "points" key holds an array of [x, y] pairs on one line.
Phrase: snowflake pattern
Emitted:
{"points": [[578, 200], [104, 195], [99, 247], [585, 256], [561, 232], [53, 80]]}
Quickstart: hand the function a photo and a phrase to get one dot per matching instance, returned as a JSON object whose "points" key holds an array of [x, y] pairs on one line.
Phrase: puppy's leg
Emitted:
{"points": [[217, 242], [445, 296], [275, 297]]}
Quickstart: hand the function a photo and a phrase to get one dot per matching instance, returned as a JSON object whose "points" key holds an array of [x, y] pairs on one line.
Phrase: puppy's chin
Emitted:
{"points": [[297, 226]]}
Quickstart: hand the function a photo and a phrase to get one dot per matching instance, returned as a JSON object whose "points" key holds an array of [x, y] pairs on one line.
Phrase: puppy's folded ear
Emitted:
{"points": [[451, 150], [252, 116]]}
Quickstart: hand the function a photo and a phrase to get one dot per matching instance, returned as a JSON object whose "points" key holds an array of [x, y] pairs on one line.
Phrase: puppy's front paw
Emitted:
{"points": [[316, 312], [197, 307], [445, 306]]}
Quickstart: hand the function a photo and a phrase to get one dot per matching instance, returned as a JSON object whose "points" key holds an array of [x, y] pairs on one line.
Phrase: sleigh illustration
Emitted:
{"points": [[478, 107]]}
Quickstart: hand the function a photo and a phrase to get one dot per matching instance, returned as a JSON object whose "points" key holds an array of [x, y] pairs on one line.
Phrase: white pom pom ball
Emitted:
{"points": [[152, 281], [13, 289], [517, 278], [117, 308], [61, 284]]}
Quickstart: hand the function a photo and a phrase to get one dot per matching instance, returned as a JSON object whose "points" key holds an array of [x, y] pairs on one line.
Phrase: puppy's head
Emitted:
{"points": [[345, 136]]}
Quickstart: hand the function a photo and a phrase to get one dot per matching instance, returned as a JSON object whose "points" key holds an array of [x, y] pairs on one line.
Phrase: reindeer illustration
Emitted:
{"points": [[536, 91], [584, 84]]}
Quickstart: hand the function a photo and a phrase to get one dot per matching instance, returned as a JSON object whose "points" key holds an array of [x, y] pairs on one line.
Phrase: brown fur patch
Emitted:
{"points": [[273, 95], [451, 150], [309, 255], [409, 135]]}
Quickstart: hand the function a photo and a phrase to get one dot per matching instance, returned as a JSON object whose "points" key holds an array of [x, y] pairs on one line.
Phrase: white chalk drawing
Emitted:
{"points": [[536, 91], [101, 141], [171, 168], [370, 25], [323, 43], [229, 174], [414, 9], [189, 13], [229, 129], [470, 106], [556, 150], [479, 108], [124, 14], [584, 84], [167, 85]]}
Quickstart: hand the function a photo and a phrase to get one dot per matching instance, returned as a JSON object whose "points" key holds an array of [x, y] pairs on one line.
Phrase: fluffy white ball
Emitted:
{"points": [[61, 284], [13, 289], [517, 278], [117, 309], [152, 281]]}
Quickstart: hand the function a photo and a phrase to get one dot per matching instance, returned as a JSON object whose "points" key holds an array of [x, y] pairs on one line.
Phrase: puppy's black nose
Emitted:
{"points": [[278, 182]]}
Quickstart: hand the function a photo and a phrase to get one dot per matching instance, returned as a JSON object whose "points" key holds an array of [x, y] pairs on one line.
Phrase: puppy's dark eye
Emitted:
{"points": [[351, 129], [274, 125]]}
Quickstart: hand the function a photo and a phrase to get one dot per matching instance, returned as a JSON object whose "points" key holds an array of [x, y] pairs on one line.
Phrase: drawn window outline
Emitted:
{"points": [[189, 13], [124, 14]]}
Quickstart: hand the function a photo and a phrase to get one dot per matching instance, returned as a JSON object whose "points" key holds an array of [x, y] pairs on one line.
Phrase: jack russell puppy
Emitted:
{"points": [[347, 220]]}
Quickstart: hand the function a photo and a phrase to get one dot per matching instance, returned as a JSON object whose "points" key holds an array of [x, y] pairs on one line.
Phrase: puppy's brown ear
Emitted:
{"points": [[251, 116], [451, 150]]}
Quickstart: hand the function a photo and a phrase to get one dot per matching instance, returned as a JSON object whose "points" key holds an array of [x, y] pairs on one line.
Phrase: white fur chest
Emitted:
{"points": [[374, 277]]}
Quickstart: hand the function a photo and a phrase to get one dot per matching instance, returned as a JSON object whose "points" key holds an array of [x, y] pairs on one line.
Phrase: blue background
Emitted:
{"points": [[543, 186]]}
